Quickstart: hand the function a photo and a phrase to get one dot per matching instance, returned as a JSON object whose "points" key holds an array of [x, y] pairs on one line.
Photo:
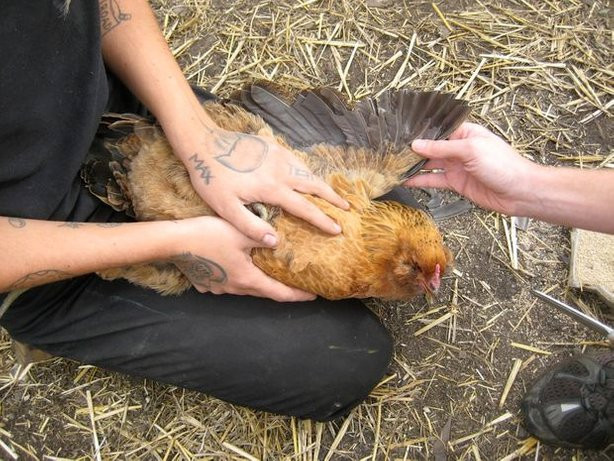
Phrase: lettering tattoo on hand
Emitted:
{"points": [[111, 16], [201, 271], [17, 223], [39, 277], [203, 170], [300, 172], [242, 152]]}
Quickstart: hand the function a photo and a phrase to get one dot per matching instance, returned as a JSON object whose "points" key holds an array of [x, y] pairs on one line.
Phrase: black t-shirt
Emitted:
{"points": [[53, 90]]}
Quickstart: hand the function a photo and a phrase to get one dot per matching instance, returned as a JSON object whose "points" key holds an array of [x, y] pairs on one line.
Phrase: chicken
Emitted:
{"points": [[386, 249]]}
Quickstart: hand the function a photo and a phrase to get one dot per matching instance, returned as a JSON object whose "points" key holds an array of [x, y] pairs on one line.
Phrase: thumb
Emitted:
{"points": [[251, 225], [271, 288], [444, 149]]}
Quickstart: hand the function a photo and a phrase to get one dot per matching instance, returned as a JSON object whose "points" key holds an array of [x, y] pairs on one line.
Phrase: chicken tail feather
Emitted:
{"points": [[104, 171]]}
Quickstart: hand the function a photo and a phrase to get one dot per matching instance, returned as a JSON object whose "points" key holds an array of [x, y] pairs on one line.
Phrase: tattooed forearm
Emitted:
{"points": [[203, 170], [111, 16], [39, 278], [300, 172], [17, 223], [242, 153], [199, 270], [109, 225], [72, 225], [78, 225]]}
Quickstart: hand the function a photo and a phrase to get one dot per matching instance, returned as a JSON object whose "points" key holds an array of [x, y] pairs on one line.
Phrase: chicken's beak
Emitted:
{"points": [[430, 293], [431, 287]]}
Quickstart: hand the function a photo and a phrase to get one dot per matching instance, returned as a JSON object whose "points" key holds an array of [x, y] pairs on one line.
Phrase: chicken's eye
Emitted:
{"points": [[411, 268]]}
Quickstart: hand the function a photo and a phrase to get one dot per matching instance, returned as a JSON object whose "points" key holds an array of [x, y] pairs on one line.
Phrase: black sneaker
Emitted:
{"points": [[572, 404]]}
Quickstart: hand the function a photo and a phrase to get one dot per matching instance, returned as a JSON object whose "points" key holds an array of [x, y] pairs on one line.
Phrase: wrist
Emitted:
{"points": [[185, 123], [192, 134], [179, 233], [541, 195], [528, 191]]}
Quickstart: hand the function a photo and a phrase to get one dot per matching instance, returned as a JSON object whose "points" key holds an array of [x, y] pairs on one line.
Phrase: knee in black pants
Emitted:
{"points": [[352, 374], [331, 365]]}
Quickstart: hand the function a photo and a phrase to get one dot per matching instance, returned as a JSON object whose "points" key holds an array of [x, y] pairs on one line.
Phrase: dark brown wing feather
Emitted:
{"points": [[396, 117], [370, 131]]}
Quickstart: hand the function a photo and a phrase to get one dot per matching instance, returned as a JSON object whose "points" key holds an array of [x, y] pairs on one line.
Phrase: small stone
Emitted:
{"points": [[592, 263]]}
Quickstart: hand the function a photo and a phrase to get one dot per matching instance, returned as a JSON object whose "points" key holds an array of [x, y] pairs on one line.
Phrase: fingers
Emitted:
{"points": [[257, 283], [433, 165], [249, 224], [300, 207], [271, 288], [468, 130], [473, 131], [303, 180], [444, 149], [319, 188], [467, 138], [434, 180]]}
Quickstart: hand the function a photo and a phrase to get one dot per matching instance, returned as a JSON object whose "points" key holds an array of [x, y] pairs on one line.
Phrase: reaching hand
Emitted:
{"points": [[230, 170], [477, 164], [215, 257]]}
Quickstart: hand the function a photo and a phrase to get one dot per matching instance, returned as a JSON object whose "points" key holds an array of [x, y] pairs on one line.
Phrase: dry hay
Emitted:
{"points": [[537, 73]]}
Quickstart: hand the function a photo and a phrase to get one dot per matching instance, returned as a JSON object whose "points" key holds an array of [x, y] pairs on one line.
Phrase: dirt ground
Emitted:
{"points": [[537, 73]]}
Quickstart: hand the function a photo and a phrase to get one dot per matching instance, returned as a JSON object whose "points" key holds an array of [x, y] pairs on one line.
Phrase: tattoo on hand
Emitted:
{"points": [[300, 172], [203, 170], [200, 271], [252, 151], [39, 278], [17, 223], [111, 16]]}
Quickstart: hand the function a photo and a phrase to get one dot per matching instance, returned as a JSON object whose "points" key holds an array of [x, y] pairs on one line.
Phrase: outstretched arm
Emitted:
{"points": [[481, 166], [227, 169], [210, 252]]}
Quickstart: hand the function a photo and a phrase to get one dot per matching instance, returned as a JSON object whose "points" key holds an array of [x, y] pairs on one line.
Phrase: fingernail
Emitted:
{"points": [[337, 228], [269, 240], [418, 144], [347, 204]]}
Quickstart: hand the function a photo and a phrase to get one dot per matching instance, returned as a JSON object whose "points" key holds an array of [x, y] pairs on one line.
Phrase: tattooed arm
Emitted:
{"points": [[208, 250], [37, 252], [227, 169]]}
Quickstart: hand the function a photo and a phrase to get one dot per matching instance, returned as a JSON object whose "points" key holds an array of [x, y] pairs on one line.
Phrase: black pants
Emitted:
{"points": [[314, 359]]}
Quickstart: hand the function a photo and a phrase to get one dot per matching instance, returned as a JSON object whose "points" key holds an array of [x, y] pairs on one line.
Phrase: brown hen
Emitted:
{"points": [[386, 250]]}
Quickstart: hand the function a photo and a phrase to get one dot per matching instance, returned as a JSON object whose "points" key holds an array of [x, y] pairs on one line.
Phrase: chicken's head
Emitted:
{"points": [[417, 257], [418, 269]]}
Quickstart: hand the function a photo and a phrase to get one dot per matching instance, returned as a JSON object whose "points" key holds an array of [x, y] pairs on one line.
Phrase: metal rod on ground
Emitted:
{"points": [[581, 317]]}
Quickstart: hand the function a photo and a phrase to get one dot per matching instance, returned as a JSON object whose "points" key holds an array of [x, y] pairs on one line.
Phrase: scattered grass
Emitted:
{"points": [[537, 73]]}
